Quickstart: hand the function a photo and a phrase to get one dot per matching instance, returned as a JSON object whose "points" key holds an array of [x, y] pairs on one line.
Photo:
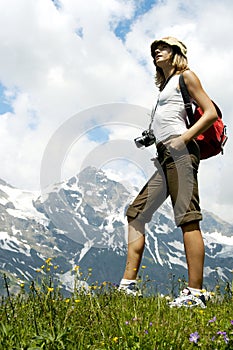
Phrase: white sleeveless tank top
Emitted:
{"points": [[170, 114]]}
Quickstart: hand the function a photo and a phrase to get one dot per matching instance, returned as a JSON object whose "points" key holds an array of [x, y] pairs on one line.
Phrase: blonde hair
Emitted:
{"points": [[179, 63]]}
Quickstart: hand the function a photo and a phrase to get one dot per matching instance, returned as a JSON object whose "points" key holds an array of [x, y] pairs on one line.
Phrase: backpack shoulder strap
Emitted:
{"points": [[186, 98]]}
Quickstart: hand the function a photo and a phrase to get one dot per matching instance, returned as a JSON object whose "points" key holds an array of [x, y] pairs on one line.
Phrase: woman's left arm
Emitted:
{"points": [[209, 112], [207, 119]]}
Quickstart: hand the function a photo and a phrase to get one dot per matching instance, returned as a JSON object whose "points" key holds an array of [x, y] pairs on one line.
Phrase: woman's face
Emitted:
{"points": [[163, 54]]}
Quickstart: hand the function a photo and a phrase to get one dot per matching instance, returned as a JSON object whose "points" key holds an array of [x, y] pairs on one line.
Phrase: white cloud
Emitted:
{"points": [[57, 63]]}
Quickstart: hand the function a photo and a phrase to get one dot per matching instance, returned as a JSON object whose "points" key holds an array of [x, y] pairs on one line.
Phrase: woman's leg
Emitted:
{"points": [[136, 243], [140, 212], [183, 187], [195, 252]]}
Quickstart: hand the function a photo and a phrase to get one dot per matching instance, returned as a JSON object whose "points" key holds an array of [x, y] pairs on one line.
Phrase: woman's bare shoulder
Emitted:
{"points": [[190, 77]]}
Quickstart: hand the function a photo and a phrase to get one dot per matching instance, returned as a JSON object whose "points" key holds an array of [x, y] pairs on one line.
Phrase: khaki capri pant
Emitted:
{"points": [[176, 176]]}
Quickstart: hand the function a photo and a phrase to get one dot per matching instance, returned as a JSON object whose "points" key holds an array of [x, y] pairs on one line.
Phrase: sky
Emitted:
{"points": [[77, 86]]}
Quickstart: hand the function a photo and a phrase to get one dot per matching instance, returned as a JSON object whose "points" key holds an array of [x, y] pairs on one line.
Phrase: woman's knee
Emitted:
{"points": [[191, 226]]}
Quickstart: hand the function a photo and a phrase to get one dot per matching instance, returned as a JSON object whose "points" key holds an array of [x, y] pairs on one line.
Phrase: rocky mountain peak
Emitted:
{"points": [[81, 221]]}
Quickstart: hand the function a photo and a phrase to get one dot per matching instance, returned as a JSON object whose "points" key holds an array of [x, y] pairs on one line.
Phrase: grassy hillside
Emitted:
{"points": [[104, 318]]}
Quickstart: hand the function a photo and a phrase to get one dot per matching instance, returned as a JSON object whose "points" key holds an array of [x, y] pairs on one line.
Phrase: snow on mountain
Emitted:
{"points": [[218, 237], [20, 203], [81, 222]]}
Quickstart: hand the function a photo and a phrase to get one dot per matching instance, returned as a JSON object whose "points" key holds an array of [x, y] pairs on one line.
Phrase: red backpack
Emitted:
{"points": [[212, 141]]}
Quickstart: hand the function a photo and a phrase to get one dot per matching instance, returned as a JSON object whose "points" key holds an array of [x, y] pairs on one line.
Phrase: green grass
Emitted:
{"points": [[42, 318]]}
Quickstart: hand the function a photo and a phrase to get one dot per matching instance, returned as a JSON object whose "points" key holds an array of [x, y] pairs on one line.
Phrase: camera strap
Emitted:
{"points": [[152, 115]]}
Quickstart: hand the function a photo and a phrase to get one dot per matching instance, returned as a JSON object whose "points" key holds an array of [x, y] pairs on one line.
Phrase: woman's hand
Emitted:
{"points": [[175, 144]]}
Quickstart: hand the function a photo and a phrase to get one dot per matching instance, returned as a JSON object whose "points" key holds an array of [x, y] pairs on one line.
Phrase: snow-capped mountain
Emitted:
{"points": [[81, 222]]}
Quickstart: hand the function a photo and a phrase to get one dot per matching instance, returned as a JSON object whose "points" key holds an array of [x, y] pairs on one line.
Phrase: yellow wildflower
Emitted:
{"points": [[77, 300], [48, 261], [50, 289], [115, 339]]}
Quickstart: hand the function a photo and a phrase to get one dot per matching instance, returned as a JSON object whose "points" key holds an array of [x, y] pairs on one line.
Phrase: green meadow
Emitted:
{"points": [[41, 317]]}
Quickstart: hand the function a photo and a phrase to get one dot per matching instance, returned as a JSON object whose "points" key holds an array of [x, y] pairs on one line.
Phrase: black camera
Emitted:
{"points": [[147, 139]]}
